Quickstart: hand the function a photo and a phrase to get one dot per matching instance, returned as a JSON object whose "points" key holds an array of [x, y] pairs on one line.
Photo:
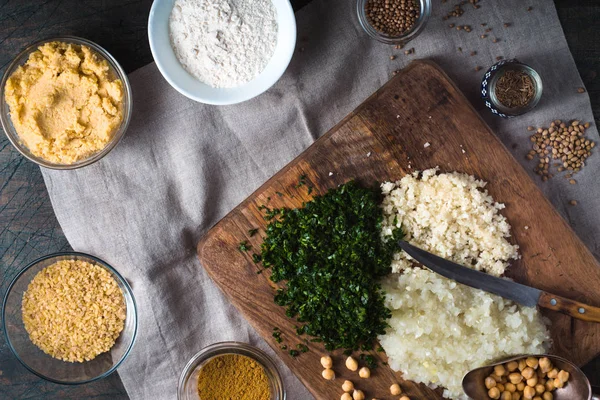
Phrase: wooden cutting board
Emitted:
{"points": [[384, 139]]}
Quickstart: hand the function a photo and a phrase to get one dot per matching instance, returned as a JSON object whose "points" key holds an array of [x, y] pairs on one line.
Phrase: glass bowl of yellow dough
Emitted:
{"points": [[65, 102]]}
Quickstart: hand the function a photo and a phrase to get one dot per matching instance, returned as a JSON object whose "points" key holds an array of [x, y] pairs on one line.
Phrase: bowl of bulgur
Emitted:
{"points": [[70, 318]]}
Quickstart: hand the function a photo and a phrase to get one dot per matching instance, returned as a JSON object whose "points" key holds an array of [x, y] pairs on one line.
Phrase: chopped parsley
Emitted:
{"points": [[244, 246], [329, 257]]}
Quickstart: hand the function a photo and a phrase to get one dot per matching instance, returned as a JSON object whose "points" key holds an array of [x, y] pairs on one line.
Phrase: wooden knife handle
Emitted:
{"points": [[570, 307]]}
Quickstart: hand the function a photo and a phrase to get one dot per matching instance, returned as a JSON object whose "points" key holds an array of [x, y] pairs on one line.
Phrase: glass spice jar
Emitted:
{"points": [[489, 84], [405, 37]]}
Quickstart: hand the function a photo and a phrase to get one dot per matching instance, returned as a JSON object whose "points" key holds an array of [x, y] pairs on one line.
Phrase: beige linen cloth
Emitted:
{"points": [[183, 165]]}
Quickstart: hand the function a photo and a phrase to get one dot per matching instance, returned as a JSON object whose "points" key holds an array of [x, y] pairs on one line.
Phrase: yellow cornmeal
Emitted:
{"points": [[73, 310], [64, 103], [233, 376]]}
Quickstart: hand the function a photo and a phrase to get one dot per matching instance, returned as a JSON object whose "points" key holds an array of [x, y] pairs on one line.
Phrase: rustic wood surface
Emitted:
{"points": [[376, 142], [29, 228]]}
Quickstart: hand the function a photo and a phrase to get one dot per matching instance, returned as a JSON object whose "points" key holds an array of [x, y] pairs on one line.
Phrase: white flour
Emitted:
{"points": [[223, 43]]}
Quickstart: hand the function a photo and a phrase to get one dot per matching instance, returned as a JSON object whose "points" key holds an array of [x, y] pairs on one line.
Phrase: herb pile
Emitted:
{"points": [[330, 255]]}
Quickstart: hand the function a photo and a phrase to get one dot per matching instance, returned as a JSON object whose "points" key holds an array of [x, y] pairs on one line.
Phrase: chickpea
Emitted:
{"points": [[351, 364], [510, 387], [563, 376], [346, 396], [558, 383], [494, 393], [545, 364], [550, 385], [547, 396], [515, 378], [521, 386], [528, 392], [328, 374], [540, 388], [540, 374], [395, 389], [522, 365], [528, 373], [499, 370], [358, 395], [532, 381], [512, 366], [326, 362], [532, 362], [500, 387], [506, 395], [553, 373], [542, 381], [497, 377], [347, 386], [516, 396], [490, 382], [364, 372]]}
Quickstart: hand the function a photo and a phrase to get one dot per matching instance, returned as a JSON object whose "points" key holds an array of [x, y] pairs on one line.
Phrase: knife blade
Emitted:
{"points": [[522, 294]]}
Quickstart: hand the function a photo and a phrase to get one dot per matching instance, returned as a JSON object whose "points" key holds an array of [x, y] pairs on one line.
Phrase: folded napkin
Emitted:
{"points": [[183, 165]]}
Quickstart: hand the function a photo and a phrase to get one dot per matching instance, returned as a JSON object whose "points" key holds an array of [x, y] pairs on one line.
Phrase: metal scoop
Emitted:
{"points": [[577, 388]]}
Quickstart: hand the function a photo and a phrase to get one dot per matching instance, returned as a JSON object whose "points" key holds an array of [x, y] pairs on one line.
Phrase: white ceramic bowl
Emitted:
{"points": [[186, 84]]}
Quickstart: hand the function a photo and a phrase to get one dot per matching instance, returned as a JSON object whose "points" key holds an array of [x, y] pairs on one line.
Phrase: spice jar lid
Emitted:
{"points": [[489, 84]]}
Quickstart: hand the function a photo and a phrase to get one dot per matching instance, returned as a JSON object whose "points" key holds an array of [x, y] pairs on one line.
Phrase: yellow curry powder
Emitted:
{"points": [[233, 376]]}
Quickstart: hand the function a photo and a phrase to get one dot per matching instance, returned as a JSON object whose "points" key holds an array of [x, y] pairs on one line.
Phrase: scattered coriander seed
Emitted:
{"points": [[573, 202], [499, 58], [347, 386], [495, 40], [478, 68], [467, 28], [392, 57], [529, 8], [328, 374], [473, 53], [581, 90], [488, 30], [459, 28], [506, 24], [395, 389], [483, 36], [572, 181], [395, 72], [451, 25]]}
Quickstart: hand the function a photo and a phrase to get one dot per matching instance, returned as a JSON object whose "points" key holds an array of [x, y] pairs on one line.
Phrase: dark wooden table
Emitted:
{"points": [[28, 226]]}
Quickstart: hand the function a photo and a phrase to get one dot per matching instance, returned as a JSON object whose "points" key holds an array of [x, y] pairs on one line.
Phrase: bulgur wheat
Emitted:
{"points": [[73, 310]]}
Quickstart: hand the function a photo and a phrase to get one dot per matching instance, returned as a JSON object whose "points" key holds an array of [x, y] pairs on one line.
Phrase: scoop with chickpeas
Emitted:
{"points": [[529, 378]]}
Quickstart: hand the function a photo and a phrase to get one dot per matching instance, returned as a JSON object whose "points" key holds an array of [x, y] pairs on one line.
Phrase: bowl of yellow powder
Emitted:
{"points": [[70, 318], [65, 102], [230, 370]]}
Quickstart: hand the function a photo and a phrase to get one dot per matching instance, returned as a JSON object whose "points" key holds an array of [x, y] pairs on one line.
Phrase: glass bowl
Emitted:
{"points": [[40, 363], [115, 69], [188, 381], [490, 79], [406, 36]]}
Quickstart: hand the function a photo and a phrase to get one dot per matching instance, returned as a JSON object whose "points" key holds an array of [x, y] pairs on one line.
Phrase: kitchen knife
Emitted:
{"points": [[517, 292]]}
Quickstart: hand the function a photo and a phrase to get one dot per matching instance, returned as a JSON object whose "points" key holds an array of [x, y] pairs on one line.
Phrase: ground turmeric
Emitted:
{"points": [[233, 376]]}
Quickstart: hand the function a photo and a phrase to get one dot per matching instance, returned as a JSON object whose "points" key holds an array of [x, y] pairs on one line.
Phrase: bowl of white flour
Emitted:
{"points": [[222, 51]]}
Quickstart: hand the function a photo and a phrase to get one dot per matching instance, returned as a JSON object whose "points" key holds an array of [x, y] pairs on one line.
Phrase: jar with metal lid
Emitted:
{"points": [[489, 85]]}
